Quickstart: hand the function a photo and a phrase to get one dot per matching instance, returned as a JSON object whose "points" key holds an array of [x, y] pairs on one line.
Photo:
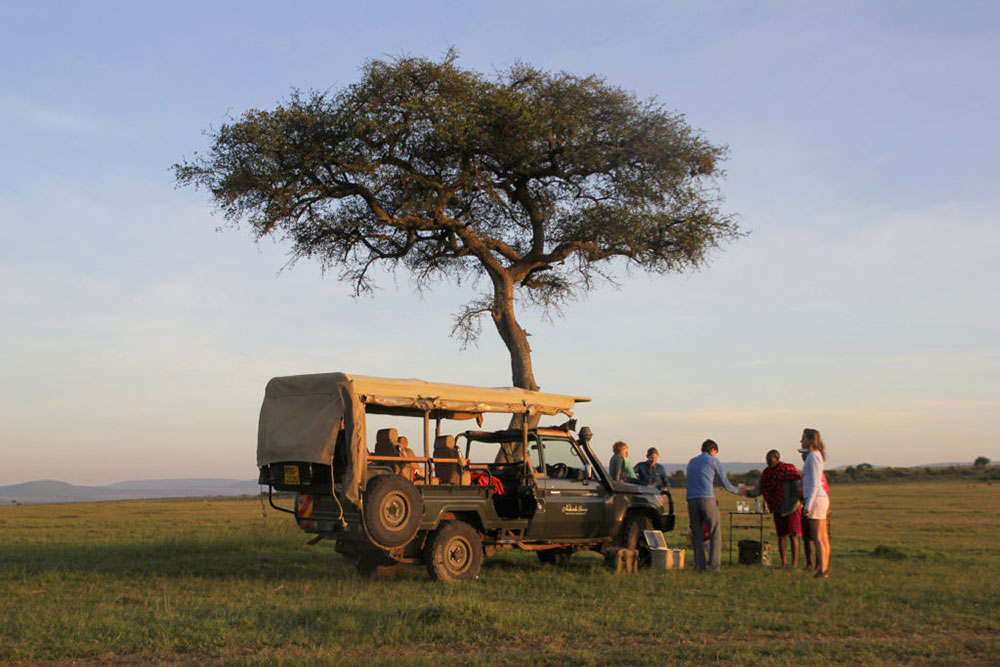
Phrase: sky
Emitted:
{"points": [[137, 330]]}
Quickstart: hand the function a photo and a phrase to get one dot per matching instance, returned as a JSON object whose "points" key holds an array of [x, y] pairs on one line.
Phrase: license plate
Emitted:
{"points": [[292, 475]]}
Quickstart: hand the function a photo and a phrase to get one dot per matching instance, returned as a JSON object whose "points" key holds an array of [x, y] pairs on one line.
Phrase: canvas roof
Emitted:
{"points": [[301, 415]]}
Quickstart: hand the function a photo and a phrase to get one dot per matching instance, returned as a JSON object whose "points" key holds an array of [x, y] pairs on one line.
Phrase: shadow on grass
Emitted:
{"points": [[888, 553], [231, 558], [528, 562]]}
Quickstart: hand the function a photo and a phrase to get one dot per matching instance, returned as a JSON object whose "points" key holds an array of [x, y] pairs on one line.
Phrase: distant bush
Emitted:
{"points": [[749, 478], [866, 473]]}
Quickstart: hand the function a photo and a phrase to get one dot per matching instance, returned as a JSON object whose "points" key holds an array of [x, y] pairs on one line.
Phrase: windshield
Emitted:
{"points": [[563, 459]]}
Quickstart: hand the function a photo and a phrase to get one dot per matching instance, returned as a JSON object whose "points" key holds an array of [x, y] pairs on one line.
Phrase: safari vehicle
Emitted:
{"points": [[466, 496]]}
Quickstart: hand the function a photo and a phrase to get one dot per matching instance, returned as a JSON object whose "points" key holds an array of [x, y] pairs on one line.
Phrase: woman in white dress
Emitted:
{"points": [[816, 500]]}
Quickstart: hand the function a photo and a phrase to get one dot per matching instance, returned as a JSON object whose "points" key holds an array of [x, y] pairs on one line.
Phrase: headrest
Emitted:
{"points": [[387, 435], [444, 442]]}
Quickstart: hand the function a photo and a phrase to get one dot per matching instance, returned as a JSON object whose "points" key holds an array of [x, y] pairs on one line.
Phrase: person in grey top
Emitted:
{"points": [[703, 508], [619, 468]]}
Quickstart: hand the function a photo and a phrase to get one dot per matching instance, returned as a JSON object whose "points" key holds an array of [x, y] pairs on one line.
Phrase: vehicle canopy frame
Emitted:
{"points": [[302, 416]]}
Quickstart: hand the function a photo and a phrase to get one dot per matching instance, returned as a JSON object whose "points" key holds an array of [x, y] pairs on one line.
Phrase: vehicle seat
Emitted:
{"points": [[387, 442], [449, 473]]}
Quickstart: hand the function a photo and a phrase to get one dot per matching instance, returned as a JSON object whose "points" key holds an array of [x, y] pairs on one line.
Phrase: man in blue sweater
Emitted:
{"points": [[703, 508]]}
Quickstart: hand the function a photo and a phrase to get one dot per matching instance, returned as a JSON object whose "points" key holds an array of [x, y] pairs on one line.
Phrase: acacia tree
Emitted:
{"points": [[538, 182]]}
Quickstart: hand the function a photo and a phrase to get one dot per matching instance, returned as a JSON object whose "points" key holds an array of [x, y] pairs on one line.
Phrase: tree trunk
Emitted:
{"points": [[514, 337]]}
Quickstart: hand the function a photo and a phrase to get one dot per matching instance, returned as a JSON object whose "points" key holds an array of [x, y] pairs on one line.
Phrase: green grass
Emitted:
{"points": [[914, 579]]}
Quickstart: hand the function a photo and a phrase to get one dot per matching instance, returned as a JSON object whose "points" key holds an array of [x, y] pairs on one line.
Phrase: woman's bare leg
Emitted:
{"points": [[823, 544], [814, 525]]}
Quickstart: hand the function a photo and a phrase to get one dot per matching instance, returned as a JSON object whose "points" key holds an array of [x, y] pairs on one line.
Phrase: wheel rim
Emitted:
{"points": [[394, 511], [457, 555]]}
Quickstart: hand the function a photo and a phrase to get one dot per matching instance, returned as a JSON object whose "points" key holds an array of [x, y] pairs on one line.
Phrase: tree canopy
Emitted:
{"points": [[535, 181]]}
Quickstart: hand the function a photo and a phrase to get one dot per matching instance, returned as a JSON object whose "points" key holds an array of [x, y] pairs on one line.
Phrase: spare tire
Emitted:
{"points": [[392, 510]]}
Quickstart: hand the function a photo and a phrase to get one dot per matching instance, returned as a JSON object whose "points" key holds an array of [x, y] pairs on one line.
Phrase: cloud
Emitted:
{"points": [[16, 111], [897, 413]]}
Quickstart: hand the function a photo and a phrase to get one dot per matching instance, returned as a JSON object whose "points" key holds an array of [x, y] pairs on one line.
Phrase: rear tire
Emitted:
{"points": [[454, 553], [392, 510]]}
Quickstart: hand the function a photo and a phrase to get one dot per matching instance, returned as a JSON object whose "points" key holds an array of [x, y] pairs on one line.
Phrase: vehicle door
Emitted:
{"points": [[507, 462], [576, 504]]}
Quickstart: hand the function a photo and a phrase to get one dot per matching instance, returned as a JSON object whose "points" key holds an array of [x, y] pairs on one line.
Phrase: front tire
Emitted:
{"points": [[632, 529], [454, 553]]}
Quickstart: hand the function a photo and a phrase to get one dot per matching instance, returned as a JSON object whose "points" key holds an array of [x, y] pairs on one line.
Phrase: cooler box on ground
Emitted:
{"points": [[660, 556], [753, 552]]}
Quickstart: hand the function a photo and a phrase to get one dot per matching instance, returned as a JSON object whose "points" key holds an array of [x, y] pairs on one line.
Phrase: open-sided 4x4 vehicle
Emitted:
{"points": [[533, 488]]}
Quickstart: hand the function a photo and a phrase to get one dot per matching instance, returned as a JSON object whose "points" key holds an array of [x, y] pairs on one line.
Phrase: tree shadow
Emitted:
{"points": [[227, 558], [528, 562], [206, 558]]}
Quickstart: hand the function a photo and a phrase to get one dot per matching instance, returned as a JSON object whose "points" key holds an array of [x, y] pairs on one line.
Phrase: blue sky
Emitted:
{"points": [[136, 338]]}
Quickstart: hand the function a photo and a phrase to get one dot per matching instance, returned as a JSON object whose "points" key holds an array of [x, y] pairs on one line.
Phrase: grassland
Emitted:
{"points": [[915, 578]]}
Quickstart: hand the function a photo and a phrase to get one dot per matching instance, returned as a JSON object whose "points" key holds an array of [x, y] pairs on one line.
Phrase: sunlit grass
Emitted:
{"points": [[914, 579]]}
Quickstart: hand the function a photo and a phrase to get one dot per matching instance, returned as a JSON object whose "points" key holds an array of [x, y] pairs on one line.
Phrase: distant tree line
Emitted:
{"points": [[980, 471], [865, 472]]}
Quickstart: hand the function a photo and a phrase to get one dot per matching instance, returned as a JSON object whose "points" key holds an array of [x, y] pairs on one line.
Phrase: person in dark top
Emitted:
{"points": [[779, 486], [651, 473]]}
